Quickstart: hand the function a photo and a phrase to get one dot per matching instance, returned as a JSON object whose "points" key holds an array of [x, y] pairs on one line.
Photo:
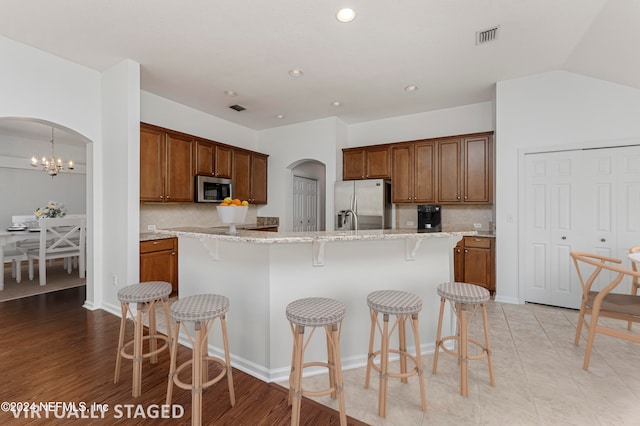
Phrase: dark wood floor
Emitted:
{"points": [[53, 350]]}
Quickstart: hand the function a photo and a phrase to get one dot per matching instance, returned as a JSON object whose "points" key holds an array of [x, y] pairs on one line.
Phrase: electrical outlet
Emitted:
{"points": [[151, 227], [114, 278], [410, 223], [477, 225]]}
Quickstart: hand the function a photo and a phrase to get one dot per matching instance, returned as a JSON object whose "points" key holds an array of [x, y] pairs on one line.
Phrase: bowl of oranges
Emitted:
{"points": [[232, 212]]}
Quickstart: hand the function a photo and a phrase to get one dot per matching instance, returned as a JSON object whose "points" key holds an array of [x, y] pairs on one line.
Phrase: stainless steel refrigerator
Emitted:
{"points": [[367, 202]]}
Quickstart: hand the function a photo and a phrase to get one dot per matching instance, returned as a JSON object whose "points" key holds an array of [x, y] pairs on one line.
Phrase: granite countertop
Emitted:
{"points": [[149, 236], [302, 237]]}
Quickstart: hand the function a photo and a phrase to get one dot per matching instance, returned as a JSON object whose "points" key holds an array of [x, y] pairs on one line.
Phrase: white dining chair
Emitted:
{"points": [[60, 238], [15, 257]]}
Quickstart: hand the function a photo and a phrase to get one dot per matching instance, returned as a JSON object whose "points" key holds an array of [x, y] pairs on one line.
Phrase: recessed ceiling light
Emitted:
{"points": [[336, 103], [230, 93], [346, 15], [296, 72], [279, 116], [411, 88]]}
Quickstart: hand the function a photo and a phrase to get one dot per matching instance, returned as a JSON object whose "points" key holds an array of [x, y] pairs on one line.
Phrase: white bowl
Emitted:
{"points": [[232, 215]]}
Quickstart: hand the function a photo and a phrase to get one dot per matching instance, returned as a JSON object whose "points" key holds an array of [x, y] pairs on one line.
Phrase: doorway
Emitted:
{"points": [[305, 204]]}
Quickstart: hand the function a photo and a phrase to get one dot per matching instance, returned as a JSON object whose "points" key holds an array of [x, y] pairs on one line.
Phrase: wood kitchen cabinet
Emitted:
{"points": [[413, 172], [474, 262], [159, 261], [166, 165], [465, 170], [371, 162], [250, 176], [212, 159]]}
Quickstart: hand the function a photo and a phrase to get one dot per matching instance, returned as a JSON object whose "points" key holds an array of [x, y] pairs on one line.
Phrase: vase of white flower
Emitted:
{"points": [[52, 209]]}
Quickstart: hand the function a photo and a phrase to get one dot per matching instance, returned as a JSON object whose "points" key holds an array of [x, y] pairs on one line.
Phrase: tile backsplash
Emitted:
{"points": [[180, 215], [453, 217]]}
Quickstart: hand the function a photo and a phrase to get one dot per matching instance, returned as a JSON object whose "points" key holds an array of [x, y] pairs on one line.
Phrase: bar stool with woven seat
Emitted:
{"points": [[201, 310], [464, 298], [145, 295], [403, 305], [316, 312]]}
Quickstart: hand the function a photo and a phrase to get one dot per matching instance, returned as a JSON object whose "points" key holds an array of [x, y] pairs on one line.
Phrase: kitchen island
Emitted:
{"points": [[262, 272]]}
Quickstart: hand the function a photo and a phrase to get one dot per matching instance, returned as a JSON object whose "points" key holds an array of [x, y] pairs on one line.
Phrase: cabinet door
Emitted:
{"points": [[151, 164], [424, 182], [353, 164], [458, 262], [478, 170], [402, 173], [223, 161], [258, 179], [377, 163], [241, 175], [179, 182], [204, 158], [449, 171], [159, 261]]}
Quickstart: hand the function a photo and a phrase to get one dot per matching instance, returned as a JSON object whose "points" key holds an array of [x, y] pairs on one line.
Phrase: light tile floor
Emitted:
{"points": [[538, 373]]}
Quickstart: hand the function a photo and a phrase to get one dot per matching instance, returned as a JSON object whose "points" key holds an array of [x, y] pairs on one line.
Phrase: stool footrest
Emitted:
{"points": [[164, 346], [413, 371], [188, 386], [455, 354]]}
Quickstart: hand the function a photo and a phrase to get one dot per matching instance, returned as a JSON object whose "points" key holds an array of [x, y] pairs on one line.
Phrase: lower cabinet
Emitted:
{"points": [[474, 262], [159, 261]]}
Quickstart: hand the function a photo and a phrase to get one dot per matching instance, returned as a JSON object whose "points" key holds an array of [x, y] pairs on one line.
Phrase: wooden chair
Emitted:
{"points": [[60, 238], [634, 252], [604, 303]]}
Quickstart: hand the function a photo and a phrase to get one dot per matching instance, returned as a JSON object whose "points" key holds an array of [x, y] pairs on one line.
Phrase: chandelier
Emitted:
{"points": [[53, 165]]}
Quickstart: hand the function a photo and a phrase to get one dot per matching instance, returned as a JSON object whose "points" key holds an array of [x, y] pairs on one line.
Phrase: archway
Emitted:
{"points": [[313, 170]]}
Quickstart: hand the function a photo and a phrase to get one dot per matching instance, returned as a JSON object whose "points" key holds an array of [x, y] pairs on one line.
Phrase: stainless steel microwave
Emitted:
{"points": [[212, 189]]}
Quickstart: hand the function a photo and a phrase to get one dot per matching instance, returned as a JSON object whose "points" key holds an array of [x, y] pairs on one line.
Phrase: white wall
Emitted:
{"points": [[29, 188], [445, 122], [548, 112], [172, 115], [38, 85], [287, 145]]}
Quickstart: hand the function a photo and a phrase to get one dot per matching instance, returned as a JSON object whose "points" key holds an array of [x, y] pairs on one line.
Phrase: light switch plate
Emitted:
{"points": [[410, 223], [151, 227], [477, 225]]}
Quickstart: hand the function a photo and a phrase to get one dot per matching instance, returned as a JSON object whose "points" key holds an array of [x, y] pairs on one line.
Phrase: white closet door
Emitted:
{"points": [[584, 200], [551, 201], [305, 204]]}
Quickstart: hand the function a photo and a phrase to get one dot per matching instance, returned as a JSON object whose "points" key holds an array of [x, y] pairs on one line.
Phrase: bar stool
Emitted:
{"points": [[464, 298], [316, 312], [145, 295], [402, 305], [201, 310]]}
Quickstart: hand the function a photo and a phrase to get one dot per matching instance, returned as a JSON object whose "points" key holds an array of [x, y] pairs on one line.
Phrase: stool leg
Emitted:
{"points": [[487, 344], [167, 319], [463, 355], [384, 361], [337, 372], [137, 353], [438, 337], [225, 339], [123, 325], [331, 359], [297, 374], [416, 338], [153, 342], [196, 377], [172, 362], [402, 345], [207, 326], [370, 358]]}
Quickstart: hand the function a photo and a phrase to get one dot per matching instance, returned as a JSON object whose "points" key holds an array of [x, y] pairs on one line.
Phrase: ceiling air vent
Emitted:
{"points": [[487, 35], [237, 107]]}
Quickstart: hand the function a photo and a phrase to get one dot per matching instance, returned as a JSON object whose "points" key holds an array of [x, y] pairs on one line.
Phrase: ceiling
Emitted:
{"points": [[192, 52]]}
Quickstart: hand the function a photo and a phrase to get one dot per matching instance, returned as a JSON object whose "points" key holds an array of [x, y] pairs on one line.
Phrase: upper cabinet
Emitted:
{"points": [[250, 176], [371, 162], [212, 159], [166, 165], [413, 172], [170, 160], [452, 170], [465, 170]]}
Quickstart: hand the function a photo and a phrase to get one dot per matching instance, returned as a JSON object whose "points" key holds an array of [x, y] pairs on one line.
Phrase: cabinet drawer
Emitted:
{"points": [[477, 242], [157, 245]]}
